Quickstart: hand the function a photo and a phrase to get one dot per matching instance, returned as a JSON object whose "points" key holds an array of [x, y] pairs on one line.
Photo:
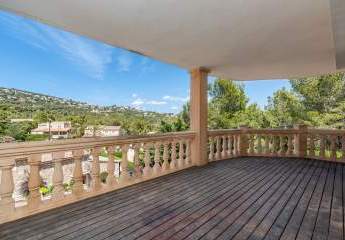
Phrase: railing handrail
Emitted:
{"points": [[20, 150], [326, 131], [215, 132]]}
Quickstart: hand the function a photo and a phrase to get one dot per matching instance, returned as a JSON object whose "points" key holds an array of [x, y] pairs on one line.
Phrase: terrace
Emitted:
{"points": [[210, 184]]}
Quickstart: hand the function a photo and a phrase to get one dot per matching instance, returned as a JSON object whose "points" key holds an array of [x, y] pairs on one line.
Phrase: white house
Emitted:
{"points": [[102, 131], [58, 130]]}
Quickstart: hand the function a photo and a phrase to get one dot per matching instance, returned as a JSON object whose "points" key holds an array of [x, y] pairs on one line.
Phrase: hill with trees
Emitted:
{"points": [[16, 104]]}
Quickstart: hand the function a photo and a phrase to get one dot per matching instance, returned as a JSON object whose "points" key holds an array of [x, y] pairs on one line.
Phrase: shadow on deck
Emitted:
{"points": [[246, 198]]}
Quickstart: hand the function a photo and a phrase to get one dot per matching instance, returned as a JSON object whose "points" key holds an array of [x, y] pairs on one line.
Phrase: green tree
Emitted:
{"points": [[185, 114], [284, 109], [227, 96], [227, 99], [321, 93]]}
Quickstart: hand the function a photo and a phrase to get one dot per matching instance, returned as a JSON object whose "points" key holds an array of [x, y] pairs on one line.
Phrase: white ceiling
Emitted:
{"points": [[238, 39]]}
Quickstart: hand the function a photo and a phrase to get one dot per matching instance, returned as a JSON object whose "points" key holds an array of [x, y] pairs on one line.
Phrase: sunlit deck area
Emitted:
{"points": [[240, 198]]}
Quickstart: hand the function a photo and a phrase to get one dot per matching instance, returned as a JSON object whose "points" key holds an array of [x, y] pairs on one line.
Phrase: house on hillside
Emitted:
{"points": [[57, 130], [102, 131]]}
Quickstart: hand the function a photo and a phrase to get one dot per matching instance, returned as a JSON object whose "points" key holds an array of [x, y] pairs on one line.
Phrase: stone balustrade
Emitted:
{"points": [[300, 141], [326, 144], [140, 159], [100, 165]]}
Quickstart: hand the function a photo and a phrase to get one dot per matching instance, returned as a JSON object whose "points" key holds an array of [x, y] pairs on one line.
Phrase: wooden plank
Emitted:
{"points": [[174, 183], [307, 226], [323, 218], [270, 213], [271, 195], [279, 226], [88, 224], [222, 220], [126, 228], [291, 230], [178, 221], [336, 221]]}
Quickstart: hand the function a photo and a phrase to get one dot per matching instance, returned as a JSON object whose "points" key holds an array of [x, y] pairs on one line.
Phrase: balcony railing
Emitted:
{"points": [[322, 144], [142, 158], [152, 156]]}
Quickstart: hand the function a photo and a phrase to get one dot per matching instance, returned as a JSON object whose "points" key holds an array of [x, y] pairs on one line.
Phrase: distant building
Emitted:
{"points": [[102, 131], [58, 130], [17, 120]]}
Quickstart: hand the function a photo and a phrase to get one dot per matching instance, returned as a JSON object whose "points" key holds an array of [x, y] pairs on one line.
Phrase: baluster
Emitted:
{"points": [[58, 189], [147, 160], [217, 148], [95, 168], [343, 148], [230, 146], [223, 147], [111, 180], [78, 187], [333, 149], [322, 146], [165, 165], [251, 144], [137, 166], [281, 146], [173, 163], [157, 167], [267, 144], [124, 175], [188, 154], [34, 198], [259, 144], [180, 163], [274, 145], [311, 146], [6, 187], [290, 145], [211, 155]]}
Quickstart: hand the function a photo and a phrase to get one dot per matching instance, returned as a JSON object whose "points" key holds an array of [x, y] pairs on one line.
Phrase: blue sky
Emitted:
{"points": [[43, 59]]}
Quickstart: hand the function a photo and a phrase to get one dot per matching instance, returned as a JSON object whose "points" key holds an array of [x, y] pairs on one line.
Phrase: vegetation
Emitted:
{"points": [[16, 104], [316, 101]]}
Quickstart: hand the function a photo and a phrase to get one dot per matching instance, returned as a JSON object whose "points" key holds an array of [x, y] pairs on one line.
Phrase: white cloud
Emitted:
{"points": [[138, 102], [154, 102], [176, 99], [134, 95], [91, 57], [124, 62], [174, 107]]}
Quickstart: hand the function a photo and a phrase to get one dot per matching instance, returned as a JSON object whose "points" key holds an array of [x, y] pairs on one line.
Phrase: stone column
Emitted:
{"points": [[301, 140], [198, 115]]}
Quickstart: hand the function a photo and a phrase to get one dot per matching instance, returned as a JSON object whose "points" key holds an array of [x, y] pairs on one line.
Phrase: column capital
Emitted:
{"points": [[200, 69]]}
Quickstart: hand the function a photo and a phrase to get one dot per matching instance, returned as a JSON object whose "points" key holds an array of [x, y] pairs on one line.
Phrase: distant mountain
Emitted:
{"points": [[27, 103]]}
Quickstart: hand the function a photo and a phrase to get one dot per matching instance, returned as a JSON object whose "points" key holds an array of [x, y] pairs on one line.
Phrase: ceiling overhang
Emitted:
{"points": [[252, 39], [338, 23]]}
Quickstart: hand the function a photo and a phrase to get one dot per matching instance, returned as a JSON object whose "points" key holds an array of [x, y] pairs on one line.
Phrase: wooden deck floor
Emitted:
{"points": [[247, 198]]}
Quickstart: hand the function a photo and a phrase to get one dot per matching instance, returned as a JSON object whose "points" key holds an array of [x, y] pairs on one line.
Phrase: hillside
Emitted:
{"points": [[27, 103], [16, 103]]}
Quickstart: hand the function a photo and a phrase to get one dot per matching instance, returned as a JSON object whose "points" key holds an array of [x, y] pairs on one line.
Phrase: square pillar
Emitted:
{"points": [[198, 115], [301, 140]]}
